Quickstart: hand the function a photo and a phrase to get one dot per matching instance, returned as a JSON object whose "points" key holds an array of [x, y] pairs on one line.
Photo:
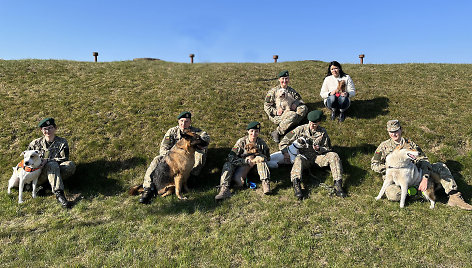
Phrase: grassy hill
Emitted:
{"points": [[114, 116]]}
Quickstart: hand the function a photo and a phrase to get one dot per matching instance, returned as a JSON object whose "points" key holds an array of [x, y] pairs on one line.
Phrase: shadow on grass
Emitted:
{"points": [[93, 178], [455, 168], [366, 109]]}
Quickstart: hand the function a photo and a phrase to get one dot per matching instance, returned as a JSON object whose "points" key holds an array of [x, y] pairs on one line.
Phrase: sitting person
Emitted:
{"points": [[284, 106], [318, 153], [393, 191], [172, 136], [56, 166], [336, 91], [249, 151]]}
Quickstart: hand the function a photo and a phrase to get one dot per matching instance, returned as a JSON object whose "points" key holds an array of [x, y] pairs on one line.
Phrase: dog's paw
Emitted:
{"points": [[182, 197], [20, 201], [378, 198]]}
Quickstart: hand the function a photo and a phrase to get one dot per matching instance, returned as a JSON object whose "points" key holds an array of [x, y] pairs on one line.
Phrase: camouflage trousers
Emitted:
{"points": [[445, 178], [289, 119], [238, 173], [55, 173], [200, 160], [330, 159]]}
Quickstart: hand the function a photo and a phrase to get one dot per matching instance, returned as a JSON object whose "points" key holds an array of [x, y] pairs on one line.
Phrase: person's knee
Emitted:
{"points": [[393, 193], [52, 166]]}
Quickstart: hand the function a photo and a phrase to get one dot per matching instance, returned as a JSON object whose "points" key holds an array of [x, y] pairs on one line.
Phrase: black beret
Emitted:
{"points": [[184, 115], [314, 116], [283, 73], [253, 125], [46, 122]]}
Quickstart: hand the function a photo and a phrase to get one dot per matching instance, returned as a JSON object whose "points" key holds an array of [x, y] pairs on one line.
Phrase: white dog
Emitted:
{"points": [[285, 101], [27, 171], [278, 157], [403, 172]]}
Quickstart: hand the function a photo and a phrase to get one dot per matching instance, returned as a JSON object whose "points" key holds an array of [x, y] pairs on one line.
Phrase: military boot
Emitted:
{"points": [[224, 193], [297, 189], [266, 187], [148, 194], [61, 198], [338, 187], [455, 200]]}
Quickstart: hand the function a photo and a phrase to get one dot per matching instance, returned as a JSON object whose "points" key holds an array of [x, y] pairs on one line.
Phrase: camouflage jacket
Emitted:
{"points": [[173, 135], [377, 163], [269, 104], [58, 150], [318, 137], [237, 156]]}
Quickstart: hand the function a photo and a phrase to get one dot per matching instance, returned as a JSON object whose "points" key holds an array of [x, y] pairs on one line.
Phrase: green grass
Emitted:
{"points": [[115, 114]]}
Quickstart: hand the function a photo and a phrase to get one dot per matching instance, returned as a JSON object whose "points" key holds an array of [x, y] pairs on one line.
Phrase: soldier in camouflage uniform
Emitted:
{"points": [[240, 162], [172, 136], [393, 192], [285, 119], [56, 166], [318, 153]]}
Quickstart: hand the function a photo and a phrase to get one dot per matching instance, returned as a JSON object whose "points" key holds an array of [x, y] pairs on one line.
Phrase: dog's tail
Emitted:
{"points": [[135, 190]]}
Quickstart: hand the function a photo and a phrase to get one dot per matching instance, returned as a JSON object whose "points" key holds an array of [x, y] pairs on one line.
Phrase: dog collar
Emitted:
{"points": [[26, 168]]}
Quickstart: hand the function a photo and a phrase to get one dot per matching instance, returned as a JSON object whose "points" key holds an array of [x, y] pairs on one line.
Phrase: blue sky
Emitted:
{"points": [[238, 31]]}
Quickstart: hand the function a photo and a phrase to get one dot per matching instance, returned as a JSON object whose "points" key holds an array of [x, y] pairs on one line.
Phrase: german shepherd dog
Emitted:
{"points": [[403, 172], [172, 172]]}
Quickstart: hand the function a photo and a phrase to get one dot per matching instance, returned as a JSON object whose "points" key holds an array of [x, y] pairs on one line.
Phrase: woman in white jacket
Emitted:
{"points": [[333, 98]]}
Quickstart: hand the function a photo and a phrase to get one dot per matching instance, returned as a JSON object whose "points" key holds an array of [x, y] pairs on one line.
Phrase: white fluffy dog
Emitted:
{"points": [[27, 171], [403, 172], [278, 157]]}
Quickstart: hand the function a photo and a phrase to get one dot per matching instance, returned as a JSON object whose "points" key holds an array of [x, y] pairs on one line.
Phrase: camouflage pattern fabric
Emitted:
{"points": [[237, 159], [288, 119], [422, 162], [172, 136], [58, 166], [308, 156]]}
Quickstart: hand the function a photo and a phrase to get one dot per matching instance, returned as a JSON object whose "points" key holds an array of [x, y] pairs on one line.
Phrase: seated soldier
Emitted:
{"points": [[249, 151], [318, 153], [284, 117], [172, 136], [56, 166], [393, 192]]}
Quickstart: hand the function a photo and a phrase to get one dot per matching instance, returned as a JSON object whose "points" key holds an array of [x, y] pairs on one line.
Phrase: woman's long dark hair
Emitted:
{"points": [[335, 63]]}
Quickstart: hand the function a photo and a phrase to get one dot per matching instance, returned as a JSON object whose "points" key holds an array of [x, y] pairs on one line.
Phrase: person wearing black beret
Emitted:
{"points": [[284, 106], [320, 153], [172, 136], [56, 165], [249, 151]]}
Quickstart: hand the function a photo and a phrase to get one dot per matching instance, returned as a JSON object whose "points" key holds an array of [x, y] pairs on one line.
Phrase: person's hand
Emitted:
{"points": [[249, 161], [293, 107], [280, 111], [423, 184], [286, 158], [333, 92], [316, 147]]}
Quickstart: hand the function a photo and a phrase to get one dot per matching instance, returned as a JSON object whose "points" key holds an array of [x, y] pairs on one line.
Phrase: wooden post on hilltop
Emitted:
{"points": [[95, 54], [191, 57], [275, 57], [361, 56]]}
